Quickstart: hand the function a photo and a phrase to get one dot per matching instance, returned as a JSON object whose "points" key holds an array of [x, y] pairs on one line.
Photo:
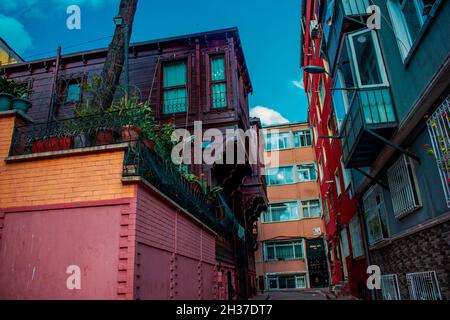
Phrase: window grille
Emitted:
{"points": [[439, 130], [423, 286], [403, 187], [389, 287]]}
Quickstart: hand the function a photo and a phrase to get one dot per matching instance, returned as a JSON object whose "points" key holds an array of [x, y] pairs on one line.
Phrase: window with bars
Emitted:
{"points": [[291, 281], [175, 87], [375, 215], [278, 212], [439, 130], [403, 187], [311, 209], [389, 287], [356, 238], [423, 286], [218, 82], [283, 250]]}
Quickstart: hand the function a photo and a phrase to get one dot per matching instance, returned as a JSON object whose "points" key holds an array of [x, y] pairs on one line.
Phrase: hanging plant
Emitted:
{"points": [[429, 150]]}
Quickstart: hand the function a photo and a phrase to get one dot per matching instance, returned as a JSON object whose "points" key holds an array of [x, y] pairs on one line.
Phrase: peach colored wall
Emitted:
{"points": [[281, 266], [297, 191], [88, 177]]}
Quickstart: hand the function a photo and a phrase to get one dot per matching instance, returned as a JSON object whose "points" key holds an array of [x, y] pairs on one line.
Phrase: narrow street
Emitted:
{"points": [[305, 294]]}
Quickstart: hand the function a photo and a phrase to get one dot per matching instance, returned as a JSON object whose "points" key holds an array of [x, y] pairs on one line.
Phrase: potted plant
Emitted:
{"points": [[5, 95], [194, 181]]}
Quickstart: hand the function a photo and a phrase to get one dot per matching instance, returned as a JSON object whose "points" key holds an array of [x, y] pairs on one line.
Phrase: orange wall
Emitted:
{"points": [[86, 177], [297, 191]]}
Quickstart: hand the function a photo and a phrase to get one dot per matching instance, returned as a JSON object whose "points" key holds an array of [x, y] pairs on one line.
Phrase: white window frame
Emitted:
{"points": [[403, 185], [275, 139], [292, 205], [372, 211], [356, 238], [302, 134], [352, 56], [305, 206], [284, 243], [345, 244], [297, 280], [423, 286], [294, 175], [389, 287], [309, 165]]}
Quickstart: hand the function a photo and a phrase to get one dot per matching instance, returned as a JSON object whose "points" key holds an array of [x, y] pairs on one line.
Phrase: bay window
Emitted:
{"points": [[175, 87], [218, 82]]}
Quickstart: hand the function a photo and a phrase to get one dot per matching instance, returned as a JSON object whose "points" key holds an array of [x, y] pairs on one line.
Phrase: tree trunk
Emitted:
{"points": [[112, 69]]}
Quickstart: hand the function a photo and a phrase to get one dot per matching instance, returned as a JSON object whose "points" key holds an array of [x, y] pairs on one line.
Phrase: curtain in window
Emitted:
{"points": [[285, 252], [217, 69], [219, 90], [175, 99], [175, 74]]}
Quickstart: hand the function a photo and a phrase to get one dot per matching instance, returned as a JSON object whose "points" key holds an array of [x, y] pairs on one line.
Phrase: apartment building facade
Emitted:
{"points": [[165, 240], [291, 251], [344, 232], [391, 86]]}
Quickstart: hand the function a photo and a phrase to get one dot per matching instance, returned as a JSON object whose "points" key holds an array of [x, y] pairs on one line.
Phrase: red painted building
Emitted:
{"points": [[344, 232]]}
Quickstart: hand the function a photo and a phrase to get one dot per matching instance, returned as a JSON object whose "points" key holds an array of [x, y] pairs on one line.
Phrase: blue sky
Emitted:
{"points": [[269, 33]]}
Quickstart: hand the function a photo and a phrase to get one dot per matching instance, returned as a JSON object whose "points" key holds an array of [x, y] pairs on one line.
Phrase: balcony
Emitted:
{"points": [[345, 16], [371, 114], [142, 160]]}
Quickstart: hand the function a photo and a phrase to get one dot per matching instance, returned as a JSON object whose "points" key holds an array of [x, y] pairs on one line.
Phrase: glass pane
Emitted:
{"points": [[280, 176], [412, 18], [367, 59], [175, 100], [217, 69], [284, 252], [290, 282], [273, 283], [73, 92], [219, 95], [175, 74], [270, 253], [298, 250], [314, 209], [282, 283]]}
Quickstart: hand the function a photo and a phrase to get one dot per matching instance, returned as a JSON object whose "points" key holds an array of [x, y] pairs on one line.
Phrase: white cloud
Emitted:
{"points": [[298, 84], [15, 34], [268, 116]]}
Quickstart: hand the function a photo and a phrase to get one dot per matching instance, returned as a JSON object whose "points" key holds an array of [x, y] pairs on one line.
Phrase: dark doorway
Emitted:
{"points": [[230, 286], [317, 263]]}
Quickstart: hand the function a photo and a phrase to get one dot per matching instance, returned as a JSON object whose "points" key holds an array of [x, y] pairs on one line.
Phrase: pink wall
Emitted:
{"points": [[38, 246], [175, 254]]}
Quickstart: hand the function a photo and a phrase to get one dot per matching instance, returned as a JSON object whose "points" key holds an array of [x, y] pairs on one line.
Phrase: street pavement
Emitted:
{"points": [[303, 294]]}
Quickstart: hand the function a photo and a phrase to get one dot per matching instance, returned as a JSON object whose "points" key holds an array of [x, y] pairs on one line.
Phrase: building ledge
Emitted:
{"points": [[66, 153], [20, 114]]}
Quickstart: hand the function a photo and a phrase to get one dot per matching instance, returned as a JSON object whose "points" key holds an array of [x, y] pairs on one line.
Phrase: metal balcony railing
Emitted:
{"points": [[369, 109]]}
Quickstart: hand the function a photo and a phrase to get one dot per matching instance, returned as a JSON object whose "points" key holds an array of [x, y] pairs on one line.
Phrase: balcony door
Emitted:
{"points": [[367, 61]]}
